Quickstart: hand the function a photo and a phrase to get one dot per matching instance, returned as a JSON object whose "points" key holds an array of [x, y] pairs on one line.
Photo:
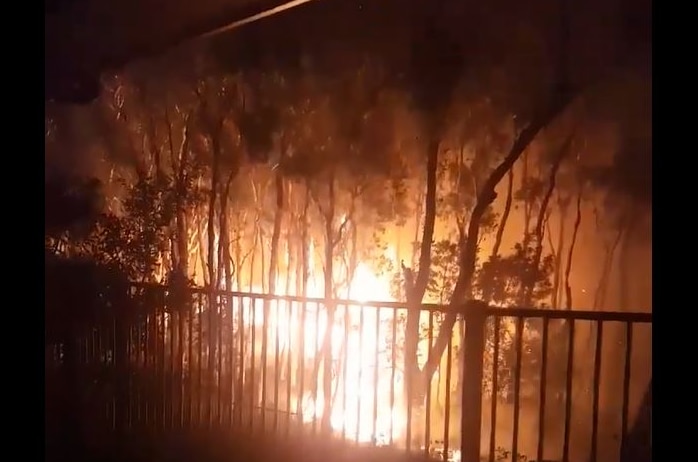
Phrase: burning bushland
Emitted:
{"points": [[327, 187]]}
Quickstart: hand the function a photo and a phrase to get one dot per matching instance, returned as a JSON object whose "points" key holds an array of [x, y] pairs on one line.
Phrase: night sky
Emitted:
{"points": [[86, 37]]}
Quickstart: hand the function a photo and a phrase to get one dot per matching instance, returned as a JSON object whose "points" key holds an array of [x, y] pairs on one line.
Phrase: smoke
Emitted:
{"points": [[71, 147]]}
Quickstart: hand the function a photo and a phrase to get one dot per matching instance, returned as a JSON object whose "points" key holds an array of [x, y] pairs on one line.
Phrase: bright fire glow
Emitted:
{"points": [[366, 286], [362, 407]]}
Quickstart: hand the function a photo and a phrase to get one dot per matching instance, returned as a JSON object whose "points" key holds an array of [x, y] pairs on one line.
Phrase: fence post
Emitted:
{"points": [[121, 402], [120, 319], [471, 393]]}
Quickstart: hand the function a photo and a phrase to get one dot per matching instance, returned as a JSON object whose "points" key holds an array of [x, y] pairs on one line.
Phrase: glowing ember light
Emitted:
{"points": [[366, 286], [362, 366]]}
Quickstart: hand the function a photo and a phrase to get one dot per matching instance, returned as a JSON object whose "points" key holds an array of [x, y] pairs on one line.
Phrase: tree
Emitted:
{"points": [[310, 161], [431, 103], [71, 209], [436, 63]]}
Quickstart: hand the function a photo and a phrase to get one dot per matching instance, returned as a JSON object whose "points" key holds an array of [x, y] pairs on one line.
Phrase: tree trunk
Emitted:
{"points": [[182, 240], [468, 253], [286, 358], [262, 260], [180, 166], [238, 262], [202, 251], [272, 276], [602, 286], [224, 257], [417, 225], [304, 276], [624, 266], [563, 206], [505, 215], [253, 256], [488, 287], [299, 256], [353, 257], [527, 199], [327, 341], [290, 245], [570, 254], [212, 273], [212, 214], [290, 261], [529, 285], [305, 244], [276, 234], [415, 287], [179, 161]]}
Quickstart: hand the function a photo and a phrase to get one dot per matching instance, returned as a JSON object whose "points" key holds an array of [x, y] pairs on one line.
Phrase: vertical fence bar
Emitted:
{"points": [[190, 363], [147, 363], [264, 363], [277, 367], [220, 311], [447, 404], [626, 389], [100, 344], [597, 382], [209, 392], [180, 361], [361, 368], [345, 378], [376, 360], [231, 348], [301, 363], [496, 323], [173, 370], [471, 399], [138, 366], [115, 399], [393, 365], [171, 404], [543, 389], [427, 406], [316, 348], [177, 360], [130, 358], [253, 354], [163, 391], [241, 358], [161, 371], [121, 368], [517, 387], [289, 365], [568, 390], [408, 376], [327, 368], [200, 360], [112, 414], [205, 340]]}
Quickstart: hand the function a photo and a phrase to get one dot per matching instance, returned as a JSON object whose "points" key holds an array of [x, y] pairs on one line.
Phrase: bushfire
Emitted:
{"points": [[367, 402]]}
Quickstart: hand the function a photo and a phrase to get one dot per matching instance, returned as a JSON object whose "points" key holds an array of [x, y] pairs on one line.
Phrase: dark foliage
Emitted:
{"points": [[70, 203], [77, 291], [502, 276], [436, 63], [234, 446]]}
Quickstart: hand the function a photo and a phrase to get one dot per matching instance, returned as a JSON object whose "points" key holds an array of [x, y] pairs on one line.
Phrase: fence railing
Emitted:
{"points": [[547, 385]]}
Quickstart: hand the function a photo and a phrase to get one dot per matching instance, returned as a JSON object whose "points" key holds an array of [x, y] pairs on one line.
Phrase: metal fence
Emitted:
{"points": [[513, 384]]}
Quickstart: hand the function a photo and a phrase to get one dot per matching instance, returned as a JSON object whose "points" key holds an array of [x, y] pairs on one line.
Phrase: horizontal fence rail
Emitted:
{"points": [[565, 382], [512, 384]]}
